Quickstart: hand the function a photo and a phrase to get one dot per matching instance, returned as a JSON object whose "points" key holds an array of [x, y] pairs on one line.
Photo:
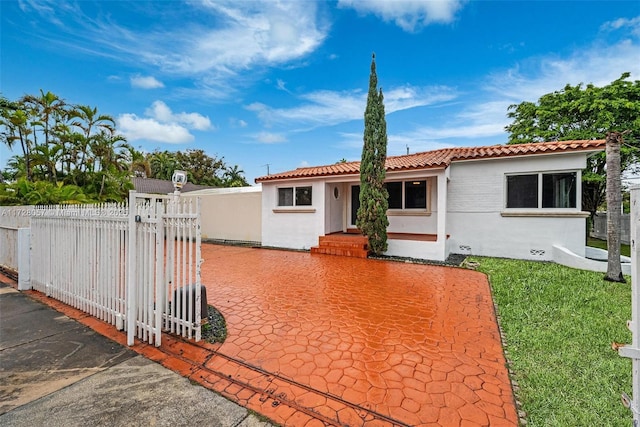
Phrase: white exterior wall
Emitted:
{"points": [[292, 226], [432, 224], [416, 249], [476, 203], [419, 224]]}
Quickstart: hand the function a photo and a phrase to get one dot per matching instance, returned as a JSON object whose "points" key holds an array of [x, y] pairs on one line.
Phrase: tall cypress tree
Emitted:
{"points": [[372, 214]]}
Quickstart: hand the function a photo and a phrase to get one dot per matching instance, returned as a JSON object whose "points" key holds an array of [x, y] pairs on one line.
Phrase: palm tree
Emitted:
{"points": [[16, 167], [138, 163], [91, 125], [233, 177], [14, 121], [44, 161], [107, 152], [614, 206], [44, 112], [46, 109], [163, 164]]}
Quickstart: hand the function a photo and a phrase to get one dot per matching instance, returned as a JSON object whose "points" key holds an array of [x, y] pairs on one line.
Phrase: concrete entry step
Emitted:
{"points": [[350, 245], [356, 253]]}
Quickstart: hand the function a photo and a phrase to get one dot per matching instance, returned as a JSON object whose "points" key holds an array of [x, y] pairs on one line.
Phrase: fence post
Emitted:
{"points": [[160, 291], [633, 351], [131, 271], [24, 259], [199, 314]]}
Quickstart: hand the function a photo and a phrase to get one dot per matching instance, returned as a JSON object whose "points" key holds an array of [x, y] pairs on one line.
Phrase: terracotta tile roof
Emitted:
{"points": [[443, 158]]}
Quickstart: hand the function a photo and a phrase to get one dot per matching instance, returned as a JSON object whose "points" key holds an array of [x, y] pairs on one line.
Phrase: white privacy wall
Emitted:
{"points": [[15, 216], [292, 227], [476, 205], [231, 214]]}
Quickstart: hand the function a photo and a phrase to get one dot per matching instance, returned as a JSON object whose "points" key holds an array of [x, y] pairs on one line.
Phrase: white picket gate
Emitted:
{"points": [[135, 266]]}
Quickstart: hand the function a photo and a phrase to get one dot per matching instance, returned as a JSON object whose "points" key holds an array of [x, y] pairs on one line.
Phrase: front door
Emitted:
{"points": [[355, 204], [336, 200]]}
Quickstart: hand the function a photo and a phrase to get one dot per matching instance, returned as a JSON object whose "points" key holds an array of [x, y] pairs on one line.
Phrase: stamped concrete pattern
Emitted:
{"points": [[320, 339]]}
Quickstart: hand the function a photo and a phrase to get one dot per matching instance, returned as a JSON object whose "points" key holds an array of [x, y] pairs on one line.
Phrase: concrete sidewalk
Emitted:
{"points": [[55, 371]]}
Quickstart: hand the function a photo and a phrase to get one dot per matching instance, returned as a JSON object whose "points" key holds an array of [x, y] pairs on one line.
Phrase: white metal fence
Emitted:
{"points": [[633, 351], [599, 227], [14, 253], [14, 242], [136, 266], [8, 245]]}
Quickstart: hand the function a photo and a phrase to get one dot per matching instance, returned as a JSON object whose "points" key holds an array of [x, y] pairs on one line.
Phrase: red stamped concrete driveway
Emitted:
{"points": [[349, 341]]}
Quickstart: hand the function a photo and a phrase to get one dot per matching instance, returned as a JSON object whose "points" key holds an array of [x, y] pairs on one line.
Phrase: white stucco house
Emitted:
{"points": [[516, 201]]}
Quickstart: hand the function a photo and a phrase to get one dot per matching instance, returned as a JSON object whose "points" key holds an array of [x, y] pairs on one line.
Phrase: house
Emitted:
{"points": [[162, 186], [516, 201]]}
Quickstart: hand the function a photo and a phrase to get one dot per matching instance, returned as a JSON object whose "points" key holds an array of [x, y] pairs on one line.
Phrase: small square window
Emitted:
{"points": [[415, 196], [559, 190], [395, 194], [522, 191], [285, 196], [303, 196]]}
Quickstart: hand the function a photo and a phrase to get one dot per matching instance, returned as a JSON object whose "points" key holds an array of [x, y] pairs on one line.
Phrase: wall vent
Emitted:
{"points": [[537, 252]]}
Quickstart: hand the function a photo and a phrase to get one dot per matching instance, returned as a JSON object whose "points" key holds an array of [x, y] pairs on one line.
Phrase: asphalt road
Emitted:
{"points": [[56, 372]]}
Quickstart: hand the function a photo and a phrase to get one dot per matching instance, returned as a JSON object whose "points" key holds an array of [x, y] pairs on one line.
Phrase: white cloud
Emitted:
{"points": [[234, 122], [406, 97], [161, 112], [233, 42], [281, 85], [325, 108], [622, 23], [250, 34], [410, 15], [269, 138], [599, 65], [136, 128], [484, 112], [146, 82], [417, 140], [161, 124]]}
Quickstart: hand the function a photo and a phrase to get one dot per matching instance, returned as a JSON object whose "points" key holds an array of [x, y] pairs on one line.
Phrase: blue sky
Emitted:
{"points": [[284, 83]]}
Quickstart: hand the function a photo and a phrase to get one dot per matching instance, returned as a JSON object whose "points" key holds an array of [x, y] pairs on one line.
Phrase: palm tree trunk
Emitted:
{"points": [[26, 151], [614, 202], [101, 187]]}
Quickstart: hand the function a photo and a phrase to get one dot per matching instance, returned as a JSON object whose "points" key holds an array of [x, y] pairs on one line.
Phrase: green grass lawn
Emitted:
{"points": [[602, 244], [559, 324]]}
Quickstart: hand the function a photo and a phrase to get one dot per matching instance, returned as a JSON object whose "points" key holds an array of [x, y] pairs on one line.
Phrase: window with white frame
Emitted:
{"points": [[542, 190], [294, 196], [407, 194]]}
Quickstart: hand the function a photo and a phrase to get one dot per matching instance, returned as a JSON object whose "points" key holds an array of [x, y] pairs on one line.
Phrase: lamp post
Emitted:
{"points": [[179, 179]]}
